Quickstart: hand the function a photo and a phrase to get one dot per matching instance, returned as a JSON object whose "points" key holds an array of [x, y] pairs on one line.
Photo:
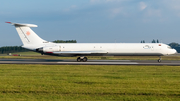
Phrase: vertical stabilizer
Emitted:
{"points": [[27, 35]]}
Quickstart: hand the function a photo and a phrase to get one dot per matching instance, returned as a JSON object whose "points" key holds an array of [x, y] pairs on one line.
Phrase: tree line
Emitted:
{"points": [[153, 41], [12, 49], [67, 41]]}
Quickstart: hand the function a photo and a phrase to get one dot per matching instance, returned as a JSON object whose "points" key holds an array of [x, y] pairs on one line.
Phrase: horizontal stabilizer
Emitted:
{"points": [[22, 25]]}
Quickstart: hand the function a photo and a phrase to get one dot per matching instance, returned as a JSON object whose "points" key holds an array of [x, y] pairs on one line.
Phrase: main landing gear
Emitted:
{"points": [[82, 59], [159, 60]]}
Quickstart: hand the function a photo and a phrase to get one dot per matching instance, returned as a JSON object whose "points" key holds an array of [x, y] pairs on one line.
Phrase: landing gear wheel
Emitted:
{"points": [[159, 60], [78, 59], [84, 59]]}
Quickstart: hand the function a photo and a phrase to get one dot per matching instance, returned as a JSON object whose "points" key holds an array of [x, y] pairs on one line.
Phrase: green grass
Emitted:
{"points": [[27, 53], [91, 83]]}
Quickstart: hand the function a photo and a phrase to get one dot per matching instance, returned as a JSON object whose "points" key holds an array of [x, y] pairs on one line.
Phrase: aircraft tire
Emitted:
{"points": [[85, 59], [78, 59], [159, 60]]}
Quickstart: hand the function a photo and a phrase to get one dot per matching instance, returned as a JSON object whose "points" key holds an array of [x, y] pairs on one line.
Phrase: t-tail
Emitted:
{"points": [[27, 35]]}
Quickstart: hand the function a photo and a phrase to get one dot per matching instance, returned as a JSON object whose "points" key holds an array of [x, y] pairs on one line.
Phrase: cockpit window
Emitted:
{"points": [[169, 47]]}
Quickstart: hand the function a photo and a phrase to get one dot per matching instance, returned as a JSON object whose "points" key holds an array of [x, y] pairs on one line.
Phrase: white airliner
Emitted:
{"points": [[33, 42]]}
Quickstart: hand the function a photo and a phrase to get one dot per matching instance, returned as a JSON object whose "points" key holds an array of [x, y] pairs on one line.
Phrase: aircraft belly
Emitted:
{"points": [[114, 54], [136, 54]]}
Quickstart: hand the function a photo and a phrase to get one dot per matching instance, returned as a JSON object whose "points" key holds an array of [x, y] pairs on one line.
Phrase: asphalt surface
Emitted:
{"points": [[89, 62]]}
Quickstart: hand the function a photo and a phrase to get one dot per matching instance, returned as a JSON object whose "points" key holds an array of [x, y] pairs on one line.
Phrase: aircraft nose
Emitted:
{"points": [[174, 51]]}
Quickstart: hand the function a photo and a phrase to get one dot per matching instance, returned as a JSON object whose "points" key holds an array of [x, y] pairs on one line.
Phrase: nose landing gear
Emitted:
{"points": [[159, 60], [82, 59]]}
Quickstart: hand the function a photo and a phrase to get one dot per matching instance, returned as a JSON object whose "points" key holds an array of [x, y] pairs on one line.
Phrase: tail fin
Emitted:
{"points": [[27, 35]]}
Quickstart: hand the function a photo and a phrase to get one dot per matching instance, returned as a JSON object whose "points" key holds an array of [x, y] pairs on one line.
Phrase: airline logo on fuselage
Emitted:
{"points": [[147, 47], [28, 33]]}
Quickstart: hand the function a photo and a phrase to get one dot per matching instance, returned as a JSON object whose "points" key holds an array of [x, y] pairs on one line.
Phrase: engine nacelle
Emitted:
{"points": [[49, 49]]}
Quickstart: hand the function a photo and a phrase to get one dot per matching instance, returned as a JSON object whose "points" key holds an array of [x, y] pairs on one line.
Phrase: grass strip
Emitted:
{"points": [[79, 82]]}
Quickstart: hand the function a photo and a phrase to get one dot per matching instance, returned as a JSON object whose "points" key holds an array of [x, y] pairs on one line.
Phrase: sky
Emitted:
{"points": [[93, 21]]}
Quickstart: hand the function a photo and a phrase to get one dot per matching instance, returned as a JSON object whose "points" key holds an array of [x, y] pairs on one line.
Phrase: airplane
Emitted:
{"points": [[32, 41]]}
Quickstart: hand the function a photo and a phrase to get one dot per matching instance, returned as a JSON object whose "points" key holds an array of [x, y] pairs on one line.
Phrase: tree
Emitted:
{"points": [[153, 41], [173, 44], [157, 41]]}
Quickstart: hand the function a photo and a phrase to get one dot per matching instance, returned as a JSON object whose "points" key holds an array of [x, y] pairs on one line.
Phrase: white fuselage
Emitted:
{"points": [[107, 49]]}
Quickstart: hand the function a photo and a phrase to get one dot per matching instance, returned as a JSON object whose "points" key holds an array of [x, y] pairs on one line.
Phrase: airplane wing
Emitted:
{"points": [[81, 52]]}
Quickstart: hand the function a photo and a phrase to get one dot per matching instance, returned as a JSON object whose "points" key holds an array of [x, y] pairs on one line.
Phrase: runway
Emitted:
{"points": [[89, 62]]}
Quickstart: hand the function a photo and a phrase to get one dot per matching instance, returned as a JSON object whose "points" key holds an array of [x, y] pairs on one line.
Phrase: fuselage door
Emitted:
{"points": [[152, 48], [59, 48]]}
